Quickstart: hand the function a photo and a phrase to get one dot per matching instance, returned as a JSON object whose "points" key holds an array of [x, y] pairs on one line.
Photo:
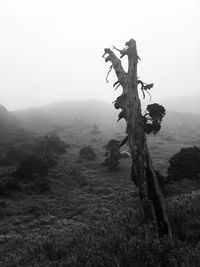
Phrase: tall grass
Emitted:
{"points": [[122, 240]]}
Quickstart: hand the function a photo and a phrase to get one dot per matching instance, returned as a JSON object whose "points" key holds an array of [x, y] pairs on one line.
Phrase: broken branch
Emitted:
{"points": [[110, 68]]}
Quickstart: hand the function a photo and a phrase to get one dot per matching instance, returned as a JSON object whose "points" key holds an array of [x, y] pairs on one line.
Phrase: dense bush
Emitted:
{"points": [[88, 153], [44, 147], [53, 144], [49, 161], [8, 185], [14, 153], [113, 154], [185, 164], [30, 168], [39, 186]]}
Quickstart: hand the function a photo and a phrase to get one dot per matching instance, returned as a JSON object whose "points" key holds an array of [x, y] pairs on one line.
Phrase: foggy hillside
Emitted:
{"points": [[89, 112], [174, 119], [185, 104], [6, 119], [66, 113], [11, 130]]}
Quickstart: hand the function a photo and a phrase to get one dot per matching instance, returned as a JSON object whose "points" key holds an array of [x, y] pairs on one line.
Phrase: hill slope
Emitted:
{"points": [[89, 112], [66, 113], [11, 130]]}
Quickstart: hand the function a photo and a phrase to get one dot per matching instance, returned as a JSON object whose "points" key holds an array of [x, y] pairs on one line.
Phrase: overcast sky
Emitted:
{"points": [[50, 50]]}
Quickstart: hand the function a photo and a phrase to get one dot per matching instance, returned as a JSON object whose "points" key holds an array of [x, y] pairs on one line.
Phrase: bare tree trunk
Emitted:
{"points": [[143, 174]]}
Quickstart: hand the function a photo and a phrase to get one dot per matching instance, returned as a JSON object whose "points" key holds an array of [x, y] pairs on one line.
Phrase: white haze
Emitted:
{"points": [[51, 51]]}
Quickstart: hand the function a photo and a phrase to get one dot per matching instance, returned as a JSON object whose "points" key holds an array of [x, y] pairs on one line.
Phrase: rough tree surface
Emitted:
{"points": [[143, 174]]}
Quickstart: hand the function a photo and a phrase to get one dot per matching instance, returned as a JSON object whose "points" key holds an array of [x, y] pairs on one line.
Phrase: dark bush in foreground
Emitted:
{"points": [[185, 164], [87, 152]]}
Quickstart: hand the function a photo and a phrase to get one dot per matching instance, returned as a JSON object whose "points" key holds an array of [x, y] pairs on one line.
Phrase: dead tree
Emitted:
{"points": [[143, 174]]}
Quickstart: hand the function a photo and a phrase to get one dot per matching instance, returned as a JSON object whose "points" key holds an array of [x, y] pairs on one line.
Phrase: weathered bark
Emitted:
{"points": [[143, 174]]}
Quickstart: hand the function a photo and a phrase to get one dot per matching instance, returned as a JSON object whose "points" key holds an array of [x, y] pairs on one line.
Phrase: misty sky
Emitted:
{"points": [[50, 51]]}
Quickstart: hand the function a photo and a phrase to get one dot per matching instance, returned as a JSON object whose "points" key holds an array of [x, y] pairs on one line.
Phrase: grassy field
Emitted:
{"points": [[81, 192], [85, 202]]}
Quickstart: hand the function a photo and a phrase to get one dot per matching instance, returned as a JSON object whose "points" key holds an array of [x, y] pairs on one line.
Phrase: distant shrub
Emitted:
{"points": [[95, 129], [88, 153], [52, 144], [39, 186], [185, 164], [8, 185], [31, 168], [169, 138], [112, 143], [32, 175], [112, 154], [49, 161], [46, 148], [17, 153], [75, 173]]}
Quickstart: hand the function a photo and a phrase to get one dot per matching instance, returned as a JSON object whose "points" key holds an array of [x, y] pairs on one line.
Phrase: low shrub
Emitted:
{"points": [[112, 155], [30, 168], [75, 173], [53, 144], [185, 164], [39, 186], [17, 154], [8, 186], [88, 153], [49, 161], [95, 129], [169, 138]]}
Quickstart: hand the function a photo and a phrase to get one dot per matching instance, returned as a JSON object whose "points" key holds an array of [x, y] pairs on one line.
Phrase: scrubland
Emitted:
{"points": [[91, 216]]}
